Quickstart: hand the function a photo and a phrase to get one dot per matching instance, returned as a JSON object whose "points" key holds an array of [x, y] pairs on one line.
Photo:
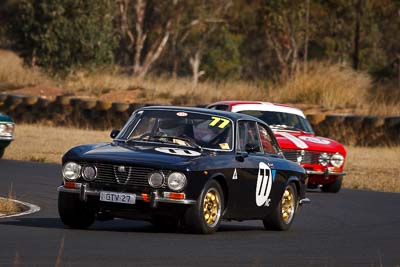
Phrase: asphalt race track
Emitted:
{"points": [[346, 229]]}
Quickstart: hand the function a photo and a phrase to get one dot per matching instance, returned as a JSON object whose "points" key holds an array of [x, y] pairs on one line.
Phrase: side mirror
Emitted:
{"points": [[241, 156], [114, 133], [251, 148]]}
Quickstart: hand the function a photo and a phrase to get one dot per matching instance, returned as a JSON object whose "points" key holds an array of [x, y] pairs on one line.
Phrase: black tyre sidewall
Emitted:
{"points": [[194, 216], [73, 212], [275, 220]]}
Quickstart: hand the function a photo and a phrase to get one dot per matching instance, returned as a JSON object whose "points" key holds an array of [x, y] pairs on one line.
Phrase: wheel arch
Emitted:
{"points": [[295, 180], [220, 178]]}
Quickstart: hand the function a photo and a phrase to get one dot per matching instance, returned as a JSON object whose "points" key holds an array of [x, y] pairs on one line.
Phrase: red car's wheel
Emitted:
{"points": [[333, 187]]}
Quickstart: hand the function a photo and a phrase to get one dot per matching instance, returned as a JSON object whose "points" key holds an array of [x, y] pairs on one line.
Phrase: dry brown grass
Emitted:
{"points": [[367, 168], [163, 90], [332, 86], [7, 206], [13, 73], [373, 168], [48, 144]]}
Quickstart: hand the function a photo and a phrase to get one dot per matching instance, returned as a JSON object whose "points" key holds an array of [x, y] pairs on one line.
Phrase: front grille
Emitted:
{"points": [[121, 175], [309, 157]]}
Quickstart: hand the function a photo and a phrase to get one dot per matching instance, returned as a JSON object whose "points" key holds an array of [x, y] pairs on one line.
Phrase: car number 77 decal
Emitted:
{"points": [[216, 120], [265, 178]]}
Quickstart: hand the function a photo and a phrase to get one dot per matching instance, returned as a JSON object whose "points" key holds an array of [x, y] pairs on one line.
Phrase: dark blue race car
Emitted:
{"points": [[6, 132], [188, 167]]}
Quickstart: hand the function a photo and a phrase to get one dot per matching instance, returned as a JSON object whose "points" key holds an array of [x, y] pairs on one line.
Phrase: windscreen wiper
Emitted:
{"points": [[188, 140]]}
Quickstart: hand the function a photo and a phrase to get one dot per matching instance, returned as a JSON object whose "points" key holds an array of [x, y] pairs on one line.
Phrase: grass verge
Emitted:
{"points": [[367, 168], [7, 206], [373, 168]]}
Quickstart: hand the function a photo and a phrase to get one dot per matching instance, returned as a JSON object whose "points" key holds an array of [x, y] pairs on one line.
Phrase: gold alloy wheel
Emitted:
{"points": [[211, 207], [288, 205]]}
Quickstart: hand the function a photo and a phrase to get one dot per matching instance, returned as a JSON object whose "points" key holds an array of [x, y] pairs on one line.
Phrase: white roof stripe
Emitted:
{"points": [[266, 106]]}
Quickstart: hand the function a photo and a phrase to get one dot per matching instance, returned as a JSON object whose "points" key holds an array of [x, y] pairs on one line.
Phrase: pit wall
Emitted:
{"points": [[103, 115]]}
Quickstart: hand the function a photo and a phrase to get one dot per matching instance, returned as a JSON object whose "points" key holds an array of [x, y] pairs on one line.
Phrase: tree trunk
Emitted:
{"points": [[306, 36], [195, 66], [127, 38], [356, 54], [140, 8], [398, 72], [153, 55]]}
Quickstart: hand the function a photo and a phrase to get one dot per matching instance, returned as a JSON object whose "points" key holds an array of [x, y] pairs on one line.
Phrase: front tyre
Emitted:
{"points": [[205, 216], [282, 217], [333, 187], [73, 212]]}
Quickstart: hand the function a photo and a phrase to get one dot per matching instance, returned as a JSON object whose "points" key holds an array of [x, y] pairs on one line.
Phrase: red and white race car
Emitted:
{"points": [[322, 158]]}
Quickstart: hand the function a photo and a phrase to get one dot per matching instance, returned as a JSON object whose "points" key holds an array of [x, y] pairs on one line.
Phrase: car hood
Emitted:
{"points": [[159, 155], [307, 141]]}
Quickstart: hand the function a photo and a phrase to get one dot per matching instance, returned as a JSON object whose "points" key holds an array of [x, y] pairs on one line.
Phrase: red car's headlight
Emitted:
{"points": [[337, 160]]}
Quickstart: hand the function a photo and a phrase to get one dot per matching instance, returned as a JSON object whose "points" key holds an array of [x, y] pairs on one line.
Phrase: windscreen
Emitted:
{"points": [[281, 120], [182, 128]]}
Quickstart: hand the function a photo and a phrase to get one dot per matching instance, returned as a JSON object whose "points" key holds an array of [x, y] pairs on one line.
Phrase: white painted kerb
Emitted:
{"points": [[32, 208]]}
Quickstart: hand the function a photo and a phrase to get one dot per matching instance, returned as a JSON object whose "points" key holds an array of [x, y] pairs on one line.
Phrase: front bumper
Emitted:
{"points": [[325, 173], [84, 191], [5, 141]]}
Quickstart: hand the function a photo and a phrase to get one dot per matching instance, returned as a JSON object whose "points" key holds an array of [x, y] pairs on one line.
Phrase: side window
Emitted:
{"points": [[248, 134], [266, 140]]}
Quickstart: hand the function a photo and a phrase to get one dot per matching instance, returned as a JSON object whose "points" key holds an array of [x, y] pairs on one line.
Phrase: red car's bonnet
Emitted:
{"points": [[307, 141]]}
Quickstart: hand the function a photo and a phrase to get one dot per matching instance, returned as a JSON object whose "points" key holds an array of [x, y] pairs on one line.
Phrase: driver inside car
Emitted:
{"points": [[173, 127]]}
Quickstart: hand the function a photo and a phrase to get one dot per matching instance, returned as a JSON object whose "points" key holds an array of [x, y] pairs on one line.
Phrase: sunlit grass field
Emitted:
{"points": [[367, 168], [330, 85]]}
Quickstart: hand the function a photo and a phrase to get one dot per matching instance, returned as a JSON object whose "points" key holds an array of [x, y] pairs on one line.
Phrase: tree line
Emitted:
{"points": [[210, 39]]}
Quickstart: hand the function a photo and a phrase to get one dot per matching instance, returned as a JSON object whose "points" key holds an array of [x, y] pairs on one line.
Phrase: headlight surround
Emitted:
{"points": [[176, 181], [337, 160], [71, 171], [323, 159], [89, 173], [156, 179], [6, 129]]}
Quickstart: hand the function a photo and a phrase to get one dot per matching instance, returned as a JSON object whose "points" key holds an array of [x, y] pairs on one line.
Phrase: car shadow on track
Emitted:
{"points": [[119, 226]]}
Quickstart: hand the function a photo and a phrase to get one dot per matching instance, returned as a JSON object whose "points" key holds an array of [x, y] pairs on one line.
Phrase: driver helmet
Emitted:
{"points": [[172, 126]]}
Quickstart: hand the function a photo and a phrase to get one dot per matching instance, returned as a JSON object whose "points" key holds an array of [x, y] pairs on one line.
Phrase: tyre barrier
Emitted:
{"points": [[104, 115]]}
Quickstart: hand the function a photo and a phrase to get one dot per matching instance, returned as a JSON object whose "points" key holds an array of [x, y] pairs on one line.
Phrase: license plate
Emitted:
{"points": [[117, 197]]}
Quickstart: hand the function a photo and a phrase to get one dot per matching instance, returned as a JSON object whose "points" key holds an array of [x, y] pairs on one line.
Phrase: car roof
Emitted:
{"points": [[237, 106], [231, 115]]}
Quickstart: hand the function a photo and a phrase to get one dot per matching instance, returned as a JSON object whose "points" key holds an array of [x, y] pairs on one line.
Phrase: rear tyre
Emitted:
{"points": [[73, 212], [205, 216], [333, 187], [2, 152], [282, 217]]}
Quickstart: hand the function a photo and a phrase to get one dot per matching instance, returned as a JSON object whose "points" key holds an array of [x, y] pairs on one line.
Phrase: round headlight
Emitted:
{"points": [[176, 181], [71, 171], [337, 160], [89, 173], [323, 159], [156, 179]]}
